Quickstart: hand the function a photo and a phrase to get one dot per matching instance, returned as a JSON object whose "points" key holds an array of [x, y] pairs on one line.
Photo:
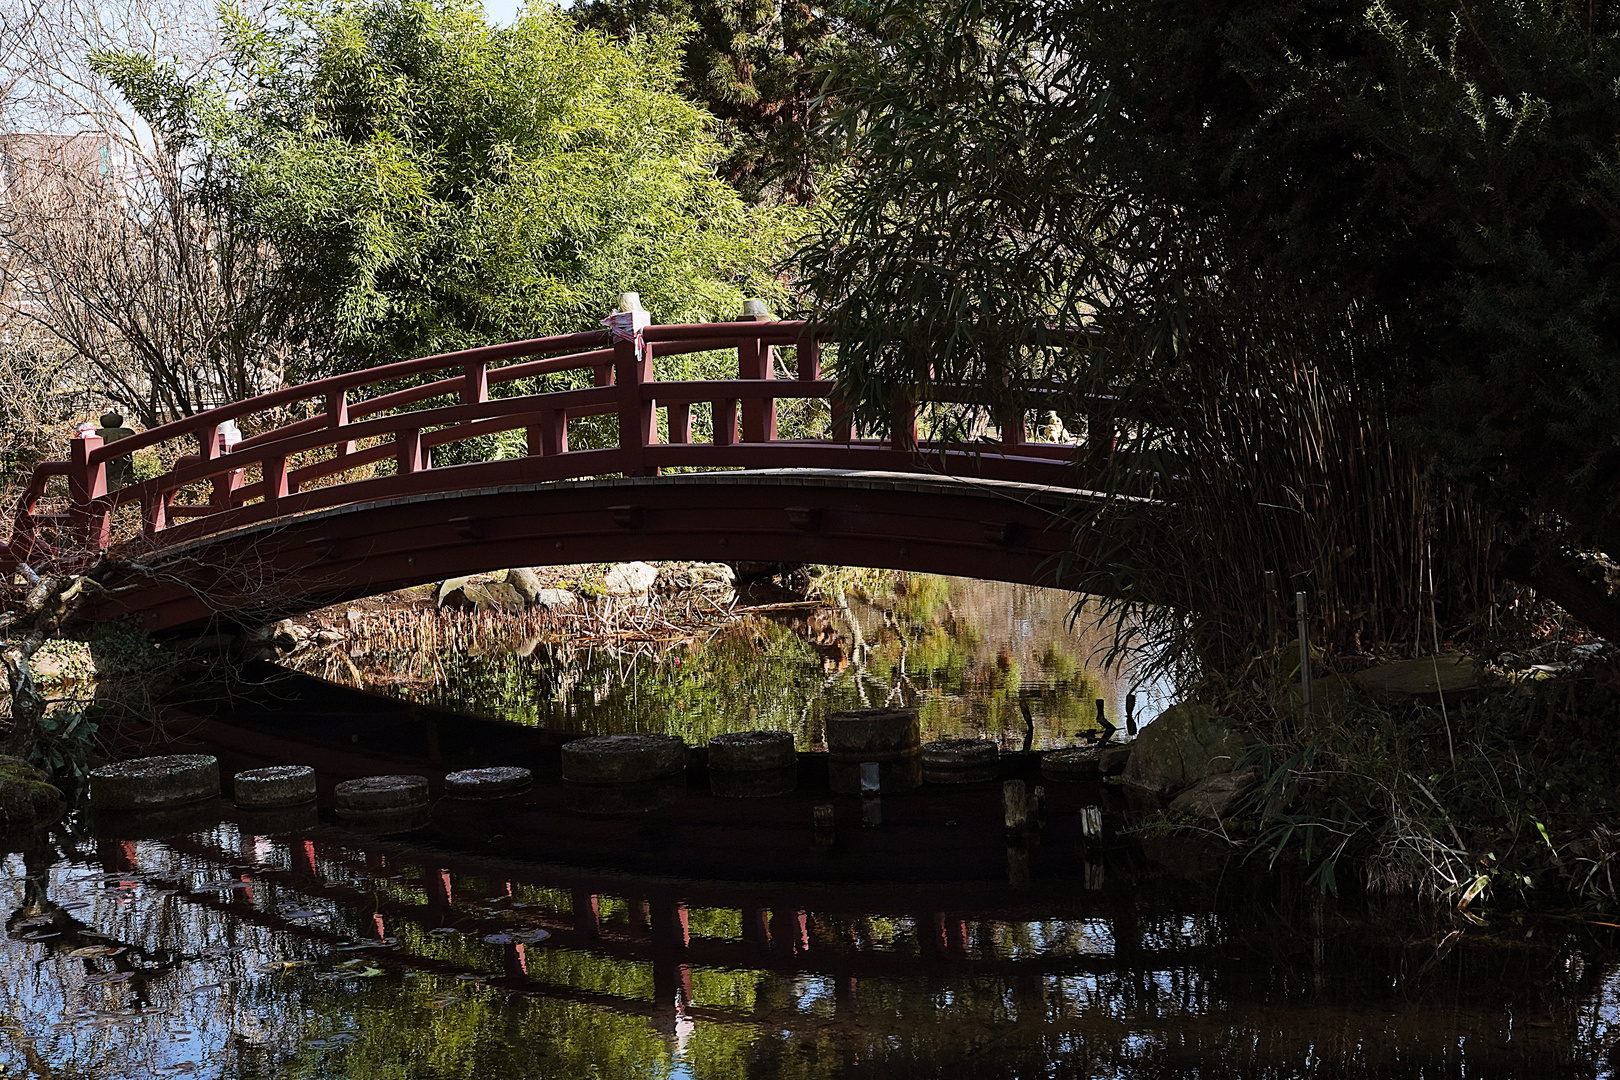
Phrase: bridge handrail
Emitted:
{"points": [[626, 383]]}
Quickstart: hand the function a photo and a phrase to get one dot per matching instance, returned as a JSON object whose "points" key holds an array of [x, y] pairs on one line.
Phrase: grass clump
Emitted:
{"points": [[1507, 798]]}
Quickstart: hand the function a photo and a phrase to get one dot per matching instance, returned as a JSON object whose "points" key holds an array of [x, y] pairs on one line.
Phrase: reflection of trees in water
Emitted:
{"points": [[970, 655], [1247, 981]]}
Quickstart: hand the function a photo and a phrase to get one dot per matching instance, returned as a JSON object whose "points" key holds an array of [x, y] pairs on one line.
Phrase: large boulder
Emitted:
{"points": [[449, 593], [555, 599], [685, 577], [26, 793], [630, 579], [1216, 795], [498, 596], [525, 581], [1185, 744], [493, 596]]}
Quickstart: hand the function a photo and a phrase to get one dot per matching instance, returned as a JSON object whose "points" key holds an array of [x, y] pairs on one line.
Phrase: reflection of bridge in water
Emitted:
{"points": [[334, 493], [787, 932], [1141, 977]]}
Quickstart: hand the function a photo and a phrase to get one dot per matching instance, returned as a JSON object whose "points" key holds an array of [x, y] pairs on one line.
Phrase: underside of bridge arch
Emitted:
{"points": [[986, 529]]}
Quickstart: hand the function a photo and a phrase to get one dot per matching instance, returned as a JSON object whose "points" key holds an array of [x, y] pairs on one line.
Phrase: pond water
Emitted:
{"points": [[221, 953], [975, 658], [719, 939]]}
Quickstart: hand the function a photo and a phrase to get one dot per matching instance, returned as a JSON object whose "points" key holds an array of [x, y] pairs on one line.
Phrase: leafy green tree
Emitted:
{"points": [[761, 67], [430, 182], [1330, 242]]}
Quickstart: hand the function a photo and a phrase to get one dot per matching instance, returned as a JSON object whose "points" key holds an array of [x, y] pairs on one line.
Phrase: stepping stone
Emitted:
{"points": [[1421, 680], [489, 783], [873, 734], [380, 795], [273, 787], [751, 751], [961, 761], [153, 782], [889, 737], [622, 759]]}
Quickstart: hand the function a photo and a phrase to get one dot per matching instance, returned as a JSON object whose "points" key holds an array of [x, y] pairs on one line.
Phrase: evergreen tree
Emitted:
{"points": [[761, 67]]}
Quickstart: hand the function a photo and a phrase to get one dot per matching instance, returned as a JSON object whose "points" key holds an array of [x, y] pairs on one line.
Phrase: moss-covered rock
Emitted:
{"points": [[1185, 744], [26, 793]]}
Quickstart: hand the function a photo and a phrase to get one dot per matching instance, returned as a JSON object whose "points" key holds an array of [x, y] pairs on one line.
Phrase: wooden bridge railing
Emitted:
{"points": [[300, 463]]}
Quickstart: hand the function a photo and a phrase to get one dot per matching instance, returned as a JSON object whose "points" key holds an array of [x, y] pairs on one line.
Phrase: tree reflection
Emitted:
{"points": [[322, 955], [972, 656]]}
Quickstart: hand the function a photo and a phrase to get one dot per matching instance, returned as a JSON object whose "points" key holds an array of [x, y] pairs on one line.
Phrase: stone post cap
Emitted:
{"points": [[754, 310]]}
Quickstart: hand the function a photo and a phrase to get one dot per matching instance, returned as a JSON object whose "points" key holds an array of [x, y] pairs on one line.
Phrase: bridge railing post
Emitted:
{"points": [[92, 523], [549, 437], [903, 423], [475, 387], [632, 368], [1011, 423], [1101, 430], [337, 415], [842, 424], [755, 360], [809, 350], [229, 482]]}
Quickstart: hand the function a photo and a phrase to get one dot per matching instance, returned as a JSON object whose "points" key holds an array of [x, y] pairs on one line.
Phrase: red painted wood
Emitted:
{"points": [[405, 425], [724, 412], [408, 451], [632, 367], [475, 386], [680, 421], [87, 482], [810, 360], [754, 362]]}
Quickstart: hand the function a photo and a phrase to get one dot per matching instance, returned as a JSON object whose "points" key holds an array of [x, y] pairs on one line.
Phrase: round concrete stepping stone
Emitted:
{"points": [[274, 786], [873, 734], [489, 783], [961, 761], [1072, 765], [371, 795], [751, 751], [1425, 679], [622, 759], [758, 784], [150, 783]]}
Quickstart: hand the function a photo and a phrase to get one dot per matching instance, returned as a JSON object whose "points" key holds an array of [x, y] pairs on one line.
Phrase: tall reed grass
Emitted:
{"points": [[1223, 472]]}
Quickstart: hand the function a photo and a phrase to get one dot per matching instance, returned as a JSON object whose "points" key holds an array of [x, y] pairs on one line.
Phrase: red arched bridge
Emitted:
{"points": [[334, 494]]}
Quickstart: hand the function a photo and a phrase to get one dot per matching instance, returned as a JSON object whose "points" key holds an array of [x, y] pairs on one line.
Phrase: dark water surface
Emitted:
{"points": [[718, 938], [317, 953], [971, 656]]}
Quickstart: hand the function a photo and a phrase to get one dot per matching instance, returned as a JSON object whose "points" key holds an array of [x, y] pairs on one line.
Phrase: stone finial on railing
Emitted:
{"points": [[754, 310]]}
